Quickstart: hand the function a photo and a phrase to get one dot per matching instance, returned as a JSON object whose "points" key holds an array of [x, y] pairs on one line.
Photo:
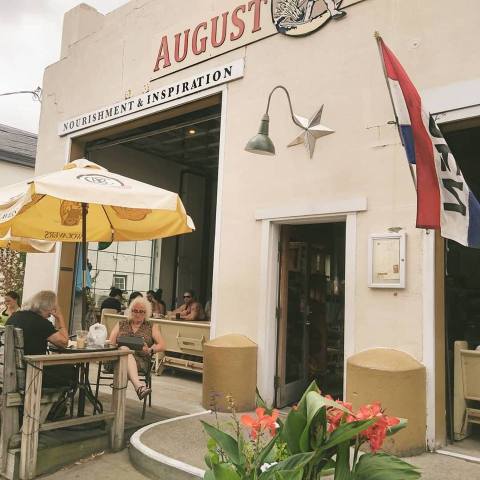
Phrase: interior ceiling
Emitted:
{"points": [[191, 139]]}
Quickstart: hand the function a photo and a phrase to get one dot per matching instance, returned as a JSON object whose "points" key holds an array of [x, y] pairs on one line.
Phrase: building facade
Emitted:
{"points": [[284, 239], [17, 154]]}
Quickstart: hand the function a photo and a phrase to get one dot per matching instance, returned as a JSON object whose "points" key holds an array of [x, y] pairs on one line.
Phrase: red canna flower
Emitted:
{"points": [[261, 423], [376, 433]]}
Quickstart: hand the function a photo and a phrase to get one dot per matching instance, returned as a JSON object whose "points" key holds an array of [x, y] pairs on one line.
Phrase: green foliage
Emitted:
{"points": [[315, 440], [226, 442], [381, 466]]}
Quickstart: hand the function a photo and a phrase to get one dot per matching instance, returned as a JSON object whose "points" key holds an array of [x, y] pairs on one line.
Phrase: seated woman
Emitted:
{"points": [[136, 325], [158, 305], [38, 331], [12, 304]]}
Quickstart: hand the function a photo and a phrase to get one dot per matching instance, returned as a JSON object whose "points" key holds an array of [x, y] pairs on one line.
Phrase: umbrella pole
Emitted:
{"points": [[84, 265]]}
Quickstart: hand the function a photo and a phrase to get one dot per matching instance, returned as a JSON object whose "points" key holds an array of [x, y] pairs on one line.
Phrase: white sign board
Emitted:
{"points": [[212, 78], [386, 260]]}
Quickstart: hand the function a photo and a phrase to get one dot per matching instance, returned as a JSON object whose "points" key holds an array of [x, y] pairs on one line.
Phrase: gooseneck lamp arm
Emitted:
{"points": [[281, 87], [261, 143]]}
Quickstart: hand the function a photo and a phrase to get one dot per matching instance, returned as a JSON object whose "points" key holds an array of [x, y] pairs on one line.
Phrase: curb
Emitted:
{"points": [[157, 465]]}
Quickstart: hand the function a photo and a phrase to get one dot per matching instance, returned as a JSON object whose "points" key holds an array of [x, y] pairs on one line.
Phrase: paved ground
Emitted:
{"points": [[107, 466], [176, 391], [117, 466]]}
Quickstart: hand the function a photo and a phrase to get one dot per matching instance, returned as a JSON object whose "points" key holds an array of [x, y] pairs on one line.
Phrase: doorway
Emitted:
{"points": [[177, 150], [462, 298], [310, 313]]}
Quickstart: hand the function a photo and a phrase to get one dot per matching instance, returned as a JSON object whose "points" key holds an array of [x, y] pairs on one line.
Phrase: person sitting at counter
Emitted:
{"points": [[158, 305], [133, 296], [191, 309], [114, 300], [137, 325]]}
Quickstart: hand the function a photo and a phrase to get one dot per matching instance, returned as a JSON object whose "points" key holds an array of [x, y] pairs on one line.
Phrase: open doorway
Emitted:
{"points": [[179, 152], [462, 301], [310, 315]]}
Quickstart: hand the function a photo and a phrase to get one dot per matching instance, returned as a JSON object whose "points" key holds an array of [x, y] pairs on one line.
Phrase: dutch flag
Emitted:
{"points": [[444, 200]]}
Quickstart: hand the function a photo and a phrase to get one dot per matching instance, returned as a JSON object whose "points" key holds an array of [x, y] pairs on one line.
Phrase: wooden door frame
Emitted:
{"points": [[270, 223]]}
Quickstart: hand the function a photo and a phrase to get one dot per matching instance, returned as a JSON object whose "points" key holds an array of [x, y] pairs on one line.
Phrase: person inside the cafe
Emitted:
{"points": [[158, 305], [191, 309], [114, 300], [137, 325], [12, 304], [38, 330], [133, 296]]}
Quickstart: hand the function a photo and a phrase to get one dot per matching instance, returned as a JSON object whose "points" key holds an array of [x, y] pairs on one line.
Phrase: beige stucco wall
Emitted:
{"points": [[11, 173], [337, 66]]}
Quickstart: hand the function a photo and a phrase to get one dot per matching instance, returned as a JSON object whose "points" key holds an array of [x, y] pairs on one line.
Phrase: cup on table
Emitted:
{"points": [[177, 316], [82, 338]]}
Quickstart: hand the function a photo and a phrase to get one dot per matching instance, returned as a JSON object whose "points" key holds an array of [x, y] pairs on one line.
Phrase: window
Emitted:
{"points": [[125, 265], [120, 281]]}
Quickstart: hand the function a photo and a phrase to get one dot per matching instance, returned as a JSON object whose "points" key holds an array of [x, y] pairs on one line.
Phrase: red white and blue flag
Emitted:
{"points": [[444, 200]]}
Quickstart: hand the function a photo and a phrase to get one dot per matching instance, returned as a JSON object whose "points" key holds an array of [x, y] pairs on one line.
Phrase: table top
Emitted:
{"points": [[73, 349]]}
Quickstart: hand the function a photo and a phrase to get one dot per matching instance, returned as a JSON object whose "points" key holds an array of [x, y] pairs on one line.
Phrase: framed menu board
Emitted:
{"points": [[386, 260]]}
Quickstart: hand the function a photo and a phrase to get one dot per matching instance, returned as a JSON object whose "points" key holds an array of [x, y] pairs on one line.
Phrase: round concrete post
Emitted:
{"points": [[229, 368], [398, 382]]}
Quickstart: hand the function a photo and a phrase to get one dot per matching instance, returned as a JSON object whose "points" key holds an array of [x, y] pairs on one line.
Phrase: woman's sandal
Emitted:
{"points": [[143, 391]]}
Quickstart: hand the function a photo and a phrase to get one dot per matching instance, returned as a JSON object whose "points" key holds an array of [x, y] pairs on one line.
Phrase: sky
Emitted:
{"points": [[30, 36]]}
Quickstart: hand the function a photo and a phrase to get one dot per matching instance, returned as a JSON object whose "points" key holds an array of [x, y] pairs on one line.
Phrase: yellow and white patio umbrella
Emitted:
{"points": [[51, 206], [27, 245], [84, 202]]}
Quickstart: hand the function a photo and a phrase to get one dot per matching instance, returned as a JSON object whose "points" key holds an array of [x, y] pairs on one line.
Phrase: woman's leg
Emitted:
{"points": [[132, 370]]}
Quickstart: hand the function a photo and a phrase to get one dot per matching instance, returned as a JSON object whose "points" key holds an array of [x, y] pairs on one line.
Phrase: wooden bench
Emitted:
{"points": [[24, 387]]}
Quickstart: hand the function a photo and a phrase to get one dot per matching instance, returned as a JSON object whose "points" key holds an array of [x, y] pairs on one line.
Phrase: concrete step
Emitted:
{"points": [[171, 449]]}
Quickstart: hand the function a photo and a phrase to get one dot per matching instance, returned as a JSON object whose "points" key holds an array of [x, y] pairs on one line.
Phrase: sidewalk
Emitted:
{"points": [[117, 466]]}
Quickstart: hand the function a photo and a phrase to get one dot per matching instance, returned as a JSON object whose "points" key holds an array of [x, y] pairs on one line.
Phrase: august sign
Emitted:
{"points": [[215, 34], [202, 81], [240, 25]]}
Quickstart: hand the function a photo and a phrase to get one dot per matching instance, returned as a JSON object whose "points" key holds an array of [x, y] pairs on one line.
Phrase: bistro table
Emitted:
{"points": [[82, 379]]}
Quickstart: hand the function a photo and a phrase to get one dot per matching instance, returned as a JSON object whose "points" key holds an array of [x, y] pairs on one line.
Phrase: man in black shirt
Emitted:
{"points": [[113, 301], [38, 331]]}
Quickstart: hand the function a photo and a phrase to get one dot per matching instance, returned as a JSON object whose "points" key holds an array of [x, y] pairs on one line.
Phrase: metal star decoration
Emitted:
{"points": [[312, 130]]}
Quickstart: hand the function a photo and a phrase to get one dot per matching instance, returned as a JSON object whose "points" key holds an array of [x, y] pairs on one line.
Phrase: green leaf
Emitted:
{"points": [[395, 428], [226, 442], [265, 451], [380, 466], [289, 475], [296, 421], [225, 471], [316, 414], [347, 431], [294, 462], [209, 475], [342, 466]]}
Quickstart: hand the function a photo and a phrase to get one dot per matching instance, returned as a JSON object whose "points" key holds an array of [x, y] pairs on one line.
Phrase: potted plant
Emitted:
{"points": [[318, 437]]}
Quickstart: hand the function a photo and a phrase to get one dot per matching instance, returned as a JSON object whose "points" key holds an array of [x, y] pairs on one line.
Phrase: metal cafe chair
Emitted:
{"points": [[106, 373]]}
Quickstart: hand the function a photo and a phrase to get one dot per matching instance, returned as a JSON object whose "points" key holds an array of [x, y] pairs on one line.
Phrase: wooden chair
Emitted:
{"points": [[470, 362], [13, 392]]}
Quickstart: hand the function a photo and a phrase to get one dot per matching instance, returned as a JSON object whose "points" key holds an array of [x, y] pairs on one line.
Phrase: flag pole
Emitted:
{"points": [[378, 38]]}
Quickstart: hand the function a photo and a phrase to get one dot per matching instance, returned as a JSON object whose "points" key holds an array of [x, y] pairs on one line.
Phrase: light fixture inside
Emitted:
{"points": [[192, 131]]}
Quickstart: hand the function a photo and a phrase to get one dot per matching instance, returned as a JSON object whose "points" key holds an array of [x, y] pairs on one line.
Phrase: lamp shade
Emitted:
{"points": [[261, 142]]}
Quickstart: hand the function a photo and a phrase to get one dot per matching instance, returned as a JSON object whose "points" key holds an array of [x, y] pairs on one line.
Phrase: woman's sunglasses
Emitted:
{"points": [[134, 310]]}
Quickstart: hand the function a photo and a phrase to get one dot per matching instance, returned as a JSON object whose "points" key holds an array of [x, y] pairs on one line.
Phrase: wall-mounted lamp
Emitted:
{"points": [[262, 144]]}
